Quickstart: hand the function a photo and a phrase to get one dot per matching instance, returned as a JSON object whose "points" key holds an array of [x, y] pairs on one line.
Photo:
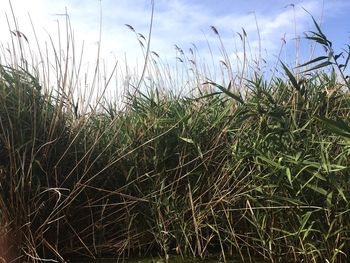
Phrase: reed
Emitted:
{"points": [[257, 168]]}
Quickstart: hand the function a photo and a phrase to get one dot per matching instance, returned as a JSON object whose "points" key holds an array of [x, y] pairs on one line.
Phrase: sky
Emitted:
{"points": [[184, 23]]}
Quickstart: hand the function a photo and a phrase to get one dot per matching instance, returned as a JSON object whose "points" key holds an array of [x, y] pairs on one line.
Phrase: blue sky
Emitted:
{"points": [[182, 22]]}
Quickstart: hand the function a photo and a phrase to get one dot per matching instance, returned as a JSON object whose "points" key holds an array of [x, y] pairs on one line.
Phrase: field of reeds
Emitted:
{"points": [[255, 167]]}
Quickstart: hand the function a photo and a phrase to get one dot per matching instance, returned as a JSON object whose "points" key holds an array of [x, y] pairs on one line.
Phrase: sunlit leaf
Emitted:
{"points": [[227, 92], [321, 65]]}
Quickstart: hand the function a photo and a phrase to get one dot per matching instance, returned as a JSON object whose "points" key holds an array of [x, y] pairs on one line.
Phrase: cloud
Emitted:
{"points": [[179, 22]]}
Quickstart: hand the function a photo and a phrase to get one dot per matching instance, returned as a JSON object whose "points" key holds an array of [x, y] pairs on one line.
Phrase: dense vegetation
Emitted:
{"points": [[258, 169]]}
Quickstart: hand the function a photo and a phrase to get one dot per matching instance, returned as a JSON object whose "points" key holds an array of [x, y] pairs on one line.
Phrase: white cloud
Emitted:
{"points": [[178, 22]]}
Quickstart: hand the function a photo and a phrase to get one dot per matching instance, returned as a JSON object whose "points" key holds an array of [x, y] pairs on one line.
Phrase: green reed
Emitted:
{"points": [[255, 169]]}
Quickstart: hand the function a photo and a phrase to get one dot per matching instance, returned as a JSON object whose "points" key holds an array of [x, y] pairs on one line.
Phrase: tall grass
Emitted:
{"points": [[256, 169]]}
